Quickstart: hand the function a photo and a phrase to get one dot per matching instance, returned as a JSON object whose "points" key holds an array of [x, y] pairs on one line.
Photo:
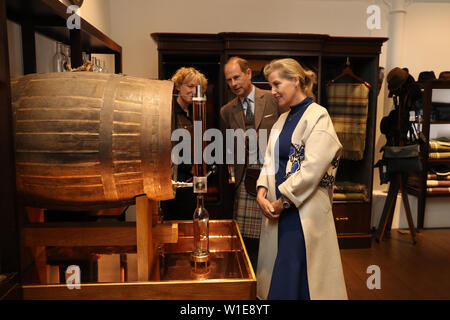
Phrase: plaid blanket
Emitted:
{"points": [[438, 190], [347, 186], [348, 105], [247, 213], [360, 196], [438, 183], [438, 146], [433, 176], [439, 155]]}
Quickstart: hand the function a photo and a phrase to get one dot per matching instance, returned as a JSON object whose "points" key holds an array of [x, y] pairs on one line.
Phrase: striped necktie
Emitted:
{"points": [[249, 117]]}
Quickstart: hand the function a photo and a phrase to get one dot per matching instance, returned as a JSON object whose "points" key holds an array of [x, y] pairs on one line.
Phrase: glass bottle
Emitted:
{"points": [[85, 57], [68, 60], [99, 65], [104, 66], [201, 230], [59, 59], [94, 64]]}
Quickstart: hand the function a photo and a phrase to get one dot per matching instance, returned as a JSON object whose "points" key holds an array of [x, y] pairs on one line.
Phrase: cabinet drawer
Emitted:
{"points": [[352, 217]]}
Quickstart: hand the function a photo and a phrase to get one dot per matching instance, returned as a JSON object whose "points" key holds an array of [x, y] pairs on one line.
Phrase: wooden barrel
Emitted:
{"points": [[91, 140]]}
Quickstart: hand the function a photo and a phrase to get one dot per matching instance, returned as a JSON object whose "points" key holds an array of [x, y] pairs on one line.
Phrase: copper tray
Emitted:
{"points": [[229, 274]]}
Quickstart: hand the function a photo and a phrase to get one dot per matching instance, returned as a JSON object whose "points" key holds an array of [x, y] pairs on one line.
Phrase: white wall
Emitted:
{"points": [[97, 13], [132, 22], [427, 38]]}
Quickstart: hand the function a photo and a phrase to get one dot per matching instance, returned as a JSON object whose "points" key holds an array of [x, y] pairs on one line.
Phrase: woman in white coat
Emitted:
{"points": [[299, 256]]}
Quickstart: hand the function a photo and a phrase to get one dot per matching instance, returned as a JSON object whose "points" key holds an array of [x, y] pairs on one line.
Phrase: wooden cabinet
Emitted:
{"points": [[47, 17], [325, 55], [433, 91]]}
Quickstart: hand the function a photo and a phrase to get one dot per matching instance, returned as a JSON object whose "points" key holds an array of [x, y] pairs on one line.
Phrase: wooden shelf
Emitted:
{"points": [[440, 122], [49, 17], [421, 192]]}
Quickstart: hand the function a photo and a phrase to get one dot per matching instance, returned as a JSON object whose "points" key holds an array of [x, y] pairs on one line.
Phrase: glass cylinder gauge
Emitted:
{"points": [[201, 231]]}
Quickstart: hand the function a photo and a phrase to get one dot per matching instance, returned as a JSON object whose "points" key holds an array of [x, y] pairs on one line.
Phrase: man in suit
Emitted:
{"points": [[252, 108]]}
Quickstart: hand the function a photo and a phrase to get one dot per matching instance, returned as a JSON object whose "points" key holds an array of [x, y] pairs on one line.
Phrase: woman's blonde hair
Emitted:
{"points": [[290, 69], [190, 74]]}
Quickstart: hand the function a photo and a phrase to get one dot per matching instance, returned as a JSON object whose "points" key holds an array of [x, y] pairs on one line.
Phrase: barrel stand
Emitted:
{"points": [[145, 235]]}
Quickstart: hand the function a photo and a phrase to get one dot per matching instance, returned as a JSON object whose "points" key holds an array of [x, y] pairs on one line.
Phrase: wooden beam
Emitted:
{"points": [[80, 234], [72, 234]]}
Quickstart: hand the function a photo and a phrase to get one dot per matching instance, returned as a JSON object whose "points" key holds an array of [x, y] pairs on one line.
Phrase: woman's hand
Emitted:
{"points": [[278, 207], [266, 206]]}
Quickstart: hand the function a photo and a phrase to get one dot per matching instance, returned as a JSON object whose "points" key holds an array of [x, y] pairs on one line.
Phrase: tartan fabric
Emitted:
{"points": [[438, 183], [439, 155], [438, 190], [356, 196], [347, 186], [433, 176], [247, 213], [438, 146], [348, 105], [346, 190]]}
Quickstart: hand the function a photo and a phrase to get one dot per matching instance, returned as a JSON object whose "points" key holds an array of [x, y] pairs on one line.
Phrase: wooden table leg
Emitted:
{"points": [[408, 210], [145, 210], [388, 209], [34, 258]]}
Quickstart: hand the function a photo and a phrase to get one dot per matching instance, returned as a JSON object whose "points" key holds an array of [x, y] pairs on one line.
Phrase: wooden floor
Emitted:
{"points": [[408, 271]]}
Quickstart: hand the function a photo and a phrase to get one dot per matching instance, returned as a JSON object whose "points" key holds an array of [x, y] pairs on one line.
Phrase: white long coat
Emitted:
{"points": [[304, 187]]}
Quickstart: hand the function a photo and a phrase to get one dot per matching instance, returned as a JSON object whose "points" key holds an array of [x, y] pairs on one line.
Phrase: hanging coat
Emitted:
{"points": [[310, 188]]}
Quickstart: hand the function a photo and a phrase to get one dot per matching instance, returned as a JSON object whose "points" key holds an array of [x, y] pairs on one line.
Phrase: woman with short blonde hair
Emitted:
{"points": [[186, 80], [189, 74]]}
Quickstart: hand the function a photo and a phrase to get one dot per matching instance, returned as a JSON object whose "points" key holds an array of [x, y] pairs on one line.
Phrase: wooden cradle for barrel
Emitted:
{"points": [[91, 140]]}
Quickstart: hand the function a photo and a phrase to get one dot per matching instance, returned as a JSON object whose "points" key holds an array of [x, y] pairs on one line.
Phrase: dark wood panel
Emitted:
{"points": [[352, 217], [9, 240], [197, 41]]}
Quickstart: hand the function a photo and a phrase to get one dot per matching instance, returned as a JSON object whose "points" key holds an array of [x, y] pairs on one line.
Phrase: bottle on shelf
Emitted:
{"points": [[99, 65], [68, 61], [104, 66], [85, 57], [59, 59], [94, 64]]}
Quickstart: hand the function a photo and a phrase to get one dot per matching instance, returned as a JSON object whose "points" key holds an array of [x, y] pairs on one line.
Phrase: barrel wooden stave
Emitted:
{"points": [[86, 140]]}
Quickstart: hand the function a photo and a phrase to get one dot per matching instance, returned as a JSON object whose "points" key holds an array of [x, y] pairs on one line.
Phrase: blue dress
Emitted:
{"points": [[289, 277]]}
